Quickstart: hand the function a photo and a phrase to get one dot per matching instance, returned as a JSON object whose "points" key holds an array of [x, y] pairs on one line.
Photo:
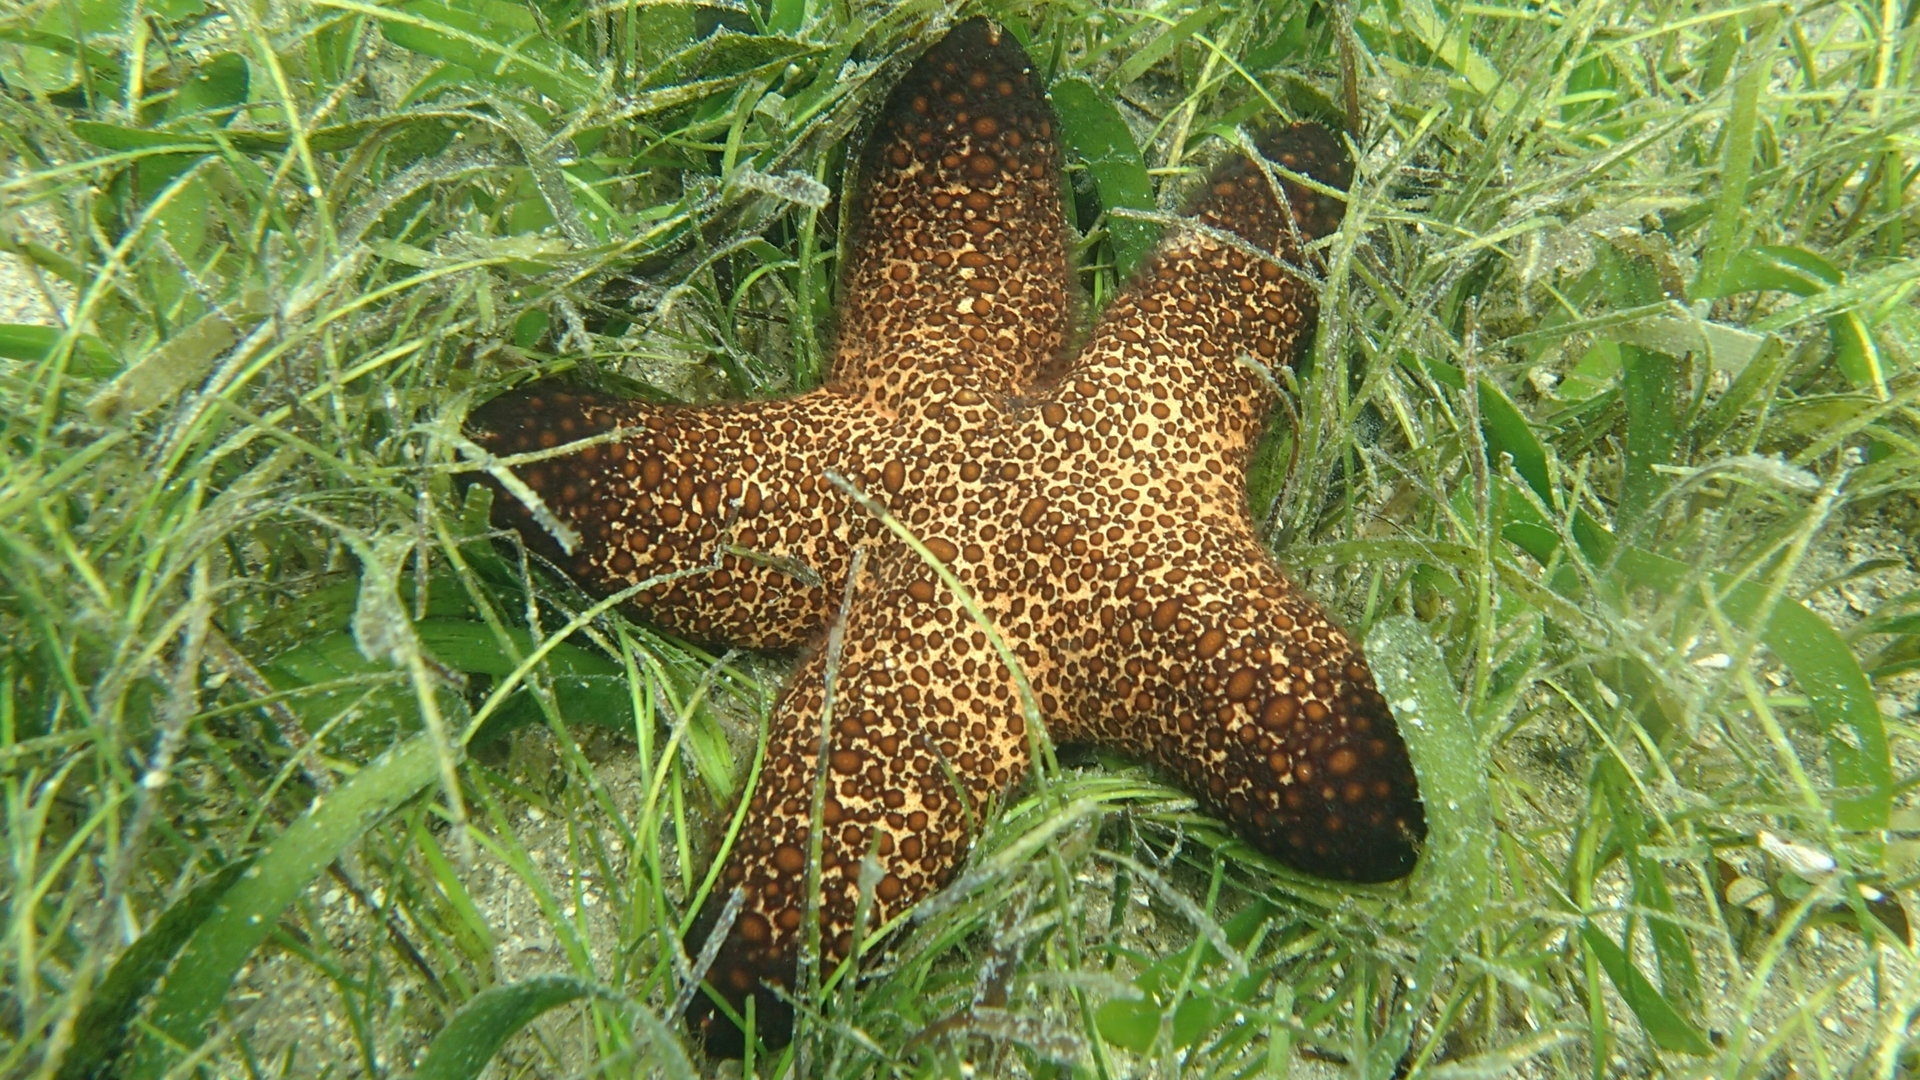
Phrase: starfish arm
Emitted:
{"points": [[740, 488], [957, 268], [1220, 669], [924, 733], [1172, 347]]}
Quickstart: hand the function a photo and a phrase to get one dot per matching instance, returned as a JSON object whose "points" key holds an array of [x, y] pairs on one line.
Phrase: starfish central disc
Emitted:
{"points": [[1097, 516]]}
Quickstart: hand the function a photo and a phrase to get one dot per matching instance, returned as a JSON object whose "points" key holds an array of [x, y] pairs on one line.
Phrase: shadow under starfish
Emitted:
{"points": [[1099, 519]]}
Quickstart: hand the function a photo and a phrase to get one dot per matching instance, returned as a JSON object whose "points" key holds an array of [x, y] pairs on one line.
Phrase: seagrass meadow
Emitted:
{"points": [[1606, 448]]}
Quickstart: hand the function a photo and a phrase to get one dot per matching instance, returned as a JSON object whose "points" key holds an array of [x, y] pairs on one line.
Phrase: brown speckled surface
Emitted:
{"points": [[1098, 517]]}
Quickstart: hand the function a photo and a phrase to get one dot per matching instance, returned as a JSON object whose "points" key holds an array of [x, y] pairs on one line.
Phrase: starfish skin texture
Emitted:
{"points": [[1096, 513]]}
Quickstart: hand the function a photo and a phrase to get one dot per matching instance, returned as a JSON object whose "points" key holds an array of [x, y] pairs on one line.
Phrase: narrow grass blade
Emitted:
{"points": [[1838, 691], [1664, 1025], [1451, 45], [1736, 170]]}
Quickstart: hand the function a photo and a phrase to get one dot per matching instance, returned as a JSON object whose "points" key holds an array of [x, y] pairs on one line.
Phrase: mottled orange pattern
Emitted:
{"points": [[1097, 515]]}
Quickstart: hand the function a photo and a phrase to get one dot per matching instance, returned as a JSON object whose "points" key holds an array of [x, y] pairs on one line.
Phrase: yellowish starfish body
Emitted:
{"points": [[1097, 516]]}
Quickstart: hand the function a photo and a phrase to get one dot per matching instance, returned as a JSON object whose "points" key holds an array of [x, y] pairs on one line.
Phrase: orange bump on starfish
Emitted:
{"points": [[1098, 516]]}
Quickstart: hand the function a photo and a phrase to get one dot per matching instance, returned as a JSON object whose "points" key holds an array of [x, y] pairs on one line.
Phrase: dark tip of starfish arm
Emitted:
{"points": [[1291, 740], [1353, 810], [528, 421], [1310, 150], [738, 973], [1239, 197], [977, 69], [959, 252], [968, 120]]}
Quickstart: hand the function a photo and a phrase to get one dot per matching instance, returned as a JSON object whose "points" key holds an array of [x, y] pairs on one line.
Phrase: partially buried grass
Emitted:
{"points": [[1608, 447]]}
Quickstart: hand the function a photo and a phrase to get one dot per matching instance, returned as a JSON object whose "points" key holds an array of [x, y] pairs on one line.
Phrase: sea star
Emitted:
{"points": [[1096, 515]]}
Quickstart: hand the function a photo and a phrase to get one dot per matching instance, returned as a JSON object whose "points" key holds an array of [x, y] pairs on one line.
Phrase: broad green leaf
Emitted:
{"points": [[105, 65], [96, 17], [1130, 1025], [497, 42], [1592, 89], [37, 69], [1778, 267], [1664, 1025], [1736, 170], [483, 1025], [1854, 292], [1135, 1023], [117, 999], [1804, 273], [220, 83], [342, 679], [1455, 874], [1288, 40], [1195, 1019], [725, 54], [1504, 426], [1760, 372], [470, 646], [328, 139], [185, 1006], [1730, 348], [115, 137], [588, 687], [786, 16], [1507, 428], [530, 327], [1651, 384], [91, 357], [1857, 354], [184, 359], [1156, 48], [1447, 758], [1679, 971], [1096, 134]]}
